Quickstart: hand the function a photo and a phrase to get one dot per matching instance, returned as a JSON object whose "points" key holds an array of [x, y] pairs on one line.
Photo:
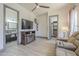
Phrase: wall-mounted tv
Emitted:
{"points": [[26, 24]]}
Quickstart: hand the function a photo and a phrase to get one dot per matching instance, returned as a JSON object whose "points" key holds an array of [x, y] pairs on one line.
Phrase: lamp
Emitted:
{"points": [[64, 29]]}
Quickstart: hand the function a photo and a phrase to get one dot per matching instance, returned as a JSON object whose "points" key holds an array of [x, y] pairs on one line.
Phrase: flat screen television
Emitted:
{"points": [[26, 24]]}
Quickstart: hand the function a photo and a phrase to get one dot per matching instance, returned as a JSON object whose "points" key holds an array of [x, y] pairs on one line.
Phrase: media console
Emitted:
{"points": [[27, 36]]}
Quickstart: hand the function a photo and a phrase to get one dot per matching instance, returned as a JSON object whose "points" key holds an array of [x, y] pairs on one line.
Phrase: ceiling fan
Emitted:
{"points": [[37, 6]]}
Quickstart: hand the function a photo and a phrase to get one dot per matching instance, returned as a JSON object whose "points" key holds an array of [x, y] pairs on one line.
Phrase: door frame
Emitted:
{"points": [[50, 24], [4, 33]]}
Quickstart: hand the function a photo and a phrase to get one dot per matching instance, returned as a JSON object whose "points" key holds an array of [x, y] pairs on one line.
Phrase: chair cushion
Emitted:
{"points": [[66, 45], [76, 43], [75, 34], [69, 46], [64, 52], [77, 51], [77, 37], [71, 39]]}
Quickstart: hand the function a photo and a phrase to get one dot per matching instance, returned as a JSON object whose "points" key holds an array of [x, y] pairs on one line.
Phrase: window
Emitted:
{"points": [[73, 21]]}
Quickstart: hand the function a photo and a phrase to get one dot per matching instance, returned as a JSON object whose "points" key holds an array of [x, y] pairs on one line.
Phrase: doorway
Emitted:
{"points": [[53, 26], [11, 18]]}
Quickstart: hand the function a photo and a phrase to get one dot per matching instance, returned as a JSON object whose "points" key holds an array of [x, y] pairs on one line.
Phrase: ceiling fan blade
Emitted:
{"points": [[44, 6], [36, 4], [34, 8]]}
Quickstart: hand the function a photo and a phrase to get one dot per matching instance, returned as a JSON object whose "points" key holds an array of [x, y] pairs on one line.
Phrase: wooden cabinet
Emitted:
{"points": [[27, 37]]}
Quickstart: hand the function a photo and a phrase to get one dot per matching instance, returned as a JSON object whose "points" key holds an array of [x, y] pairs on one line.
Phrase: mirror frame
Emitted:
{"points": [[4, 33]]}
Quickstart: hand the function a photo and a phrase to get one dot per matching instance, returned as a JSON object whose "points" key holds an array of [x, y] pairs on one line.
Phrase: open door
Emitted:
{"points": [[53, 21]]}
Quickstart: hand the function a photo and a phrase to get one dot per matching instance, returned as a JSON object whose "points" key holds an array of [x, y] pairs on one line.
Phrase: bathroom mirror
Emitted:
{"points": [[11, 24]]}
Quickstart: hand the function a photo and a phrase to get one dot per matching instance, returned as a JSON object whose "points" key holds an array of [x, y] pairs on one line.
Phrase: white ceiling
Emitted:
{"points": [[40, 10]]}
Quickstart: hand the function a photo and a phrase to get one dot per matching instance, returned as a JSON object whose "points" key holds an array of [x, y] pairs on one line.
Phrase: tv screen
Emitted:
{"points": [[26, 24]]}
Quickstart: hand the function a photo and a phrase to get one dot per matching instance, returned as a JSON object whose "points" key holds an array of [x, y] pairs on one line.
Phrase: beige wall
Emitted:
{"points": [[42, 25]]}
